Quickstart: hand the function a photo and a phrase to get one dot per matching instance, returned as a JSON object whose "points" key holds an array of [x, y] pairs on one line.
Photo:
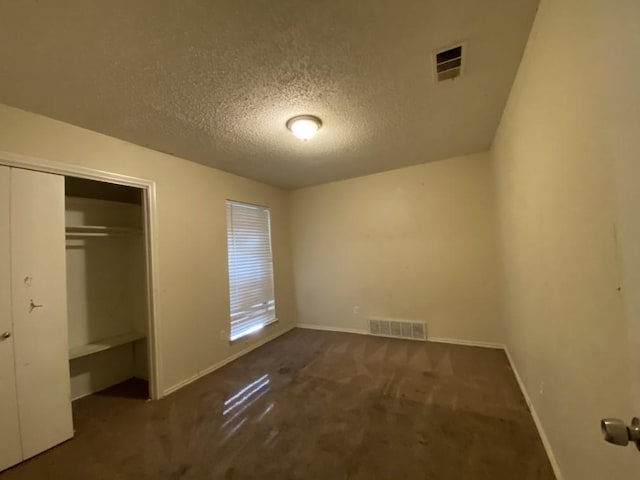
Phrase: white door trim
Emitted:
{"points": [[150, 218]]}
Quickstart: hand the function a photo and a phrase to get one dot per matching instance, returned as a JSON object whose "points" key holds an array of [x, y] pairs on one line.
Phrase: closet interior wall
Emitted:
{"points": [[106, 285]]}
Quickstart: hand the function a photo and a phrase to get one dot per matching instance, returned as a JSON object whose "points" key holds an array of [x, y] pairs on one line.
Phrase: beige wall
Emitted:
{"points": [[414, 243], [193, 298], [557, 278], [567, 224]]}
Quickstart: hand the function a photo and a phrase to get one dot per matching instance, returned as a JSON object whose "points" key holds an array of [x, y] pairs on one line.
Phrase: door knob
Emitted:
{"points": [[617, 432], [5, 335]]}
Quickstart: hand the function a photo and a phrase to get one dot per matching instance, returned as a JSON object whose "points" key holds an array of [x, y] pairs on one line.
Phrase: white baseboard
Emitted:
{"points": [[536, 419], [471, 343], [468, 343], [359, 331], [311, 326], [82, 395], [222, 363]]}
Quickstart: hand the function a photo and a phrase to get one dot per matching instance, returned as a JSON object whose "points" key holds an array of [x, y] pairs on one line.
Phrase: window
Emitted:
{"points": [[250, 268]]}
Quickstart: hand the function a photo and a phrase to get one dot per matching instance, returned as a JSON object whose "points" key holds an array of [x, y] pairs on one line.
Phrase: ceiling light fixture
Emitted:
{"points": [[304, 127]]}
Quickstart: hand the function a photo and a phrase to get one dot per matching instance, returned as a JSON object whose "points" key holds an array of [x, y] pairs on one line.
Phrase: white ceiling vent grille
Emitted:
{"points": [[386, 327], [448, 63]]}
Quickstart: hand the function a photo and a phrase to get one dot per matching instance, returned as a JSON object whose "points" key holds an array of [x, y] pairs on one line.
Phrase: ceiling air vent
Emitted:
{"points": [[448, 63]]}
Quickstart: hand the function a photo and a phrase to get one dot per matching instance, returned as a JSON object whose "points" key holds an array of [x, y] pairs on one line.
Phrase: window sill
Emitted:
{"points": [[247, 337]]}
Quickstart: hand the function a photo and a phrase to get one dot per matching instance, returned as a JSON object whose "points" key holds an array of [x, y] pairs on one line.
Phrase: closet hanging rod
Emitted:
{"points": [[99, 231]]}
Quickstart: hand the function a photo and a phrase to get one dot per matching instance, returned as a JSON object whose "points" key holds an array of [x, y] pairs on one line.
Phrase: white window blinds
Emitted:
{"points": [[250, 268]]}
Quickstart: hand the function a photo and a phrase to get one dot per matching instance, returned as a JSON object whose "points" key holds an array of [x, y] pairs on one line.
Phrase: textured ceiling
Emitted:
{"points": [[214, 81]]}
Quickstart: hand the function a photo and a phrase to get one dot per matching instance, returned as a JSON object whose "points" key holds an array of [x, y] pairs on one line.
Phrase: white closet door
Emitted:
{"points": [[10, 446], [40, 309]]}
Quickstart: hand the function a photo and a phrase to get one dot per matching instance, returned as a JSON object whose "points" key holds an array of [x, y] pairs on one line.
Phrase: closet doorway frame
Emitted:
{"points": [[149, 208]]}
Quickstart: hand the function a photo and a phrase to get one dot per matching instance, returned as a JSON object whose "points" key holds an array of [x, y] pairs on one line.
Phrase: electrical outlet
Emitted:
{"points": [[356, 309], [542, 388]]}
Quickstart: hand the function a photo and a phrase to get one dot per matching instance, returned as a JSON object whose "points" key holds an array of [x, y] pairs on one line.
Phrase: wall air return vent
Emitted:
{"points": [[448, 63], [387, 327]]}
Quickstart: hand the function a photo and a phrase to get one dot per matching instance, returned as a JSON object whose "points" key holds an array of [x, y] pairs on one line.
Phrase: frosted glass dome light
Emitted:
{"points": [[304, 127]]}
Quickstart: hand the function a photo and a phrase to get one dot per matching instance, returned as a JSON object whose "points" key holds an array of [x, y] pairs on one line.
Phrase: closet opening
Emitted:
{"points": [[107, 291]]}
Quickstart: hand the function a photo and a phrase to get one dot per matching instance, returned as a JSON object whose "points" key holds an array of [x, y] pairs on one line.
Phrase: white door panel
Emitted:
{"points": [[10, 445], [40, 309]]}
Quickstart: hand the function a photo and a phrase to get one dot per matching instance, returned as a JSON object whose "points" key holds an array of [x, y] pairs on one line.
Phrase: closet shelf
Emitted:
{"points": [[99, 231], [106, 344]]}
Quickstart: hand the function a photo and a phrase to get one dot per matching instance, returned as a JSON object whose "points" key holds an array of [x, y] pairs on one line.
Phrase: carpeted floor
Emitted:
{"points": [[313, 405]]}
